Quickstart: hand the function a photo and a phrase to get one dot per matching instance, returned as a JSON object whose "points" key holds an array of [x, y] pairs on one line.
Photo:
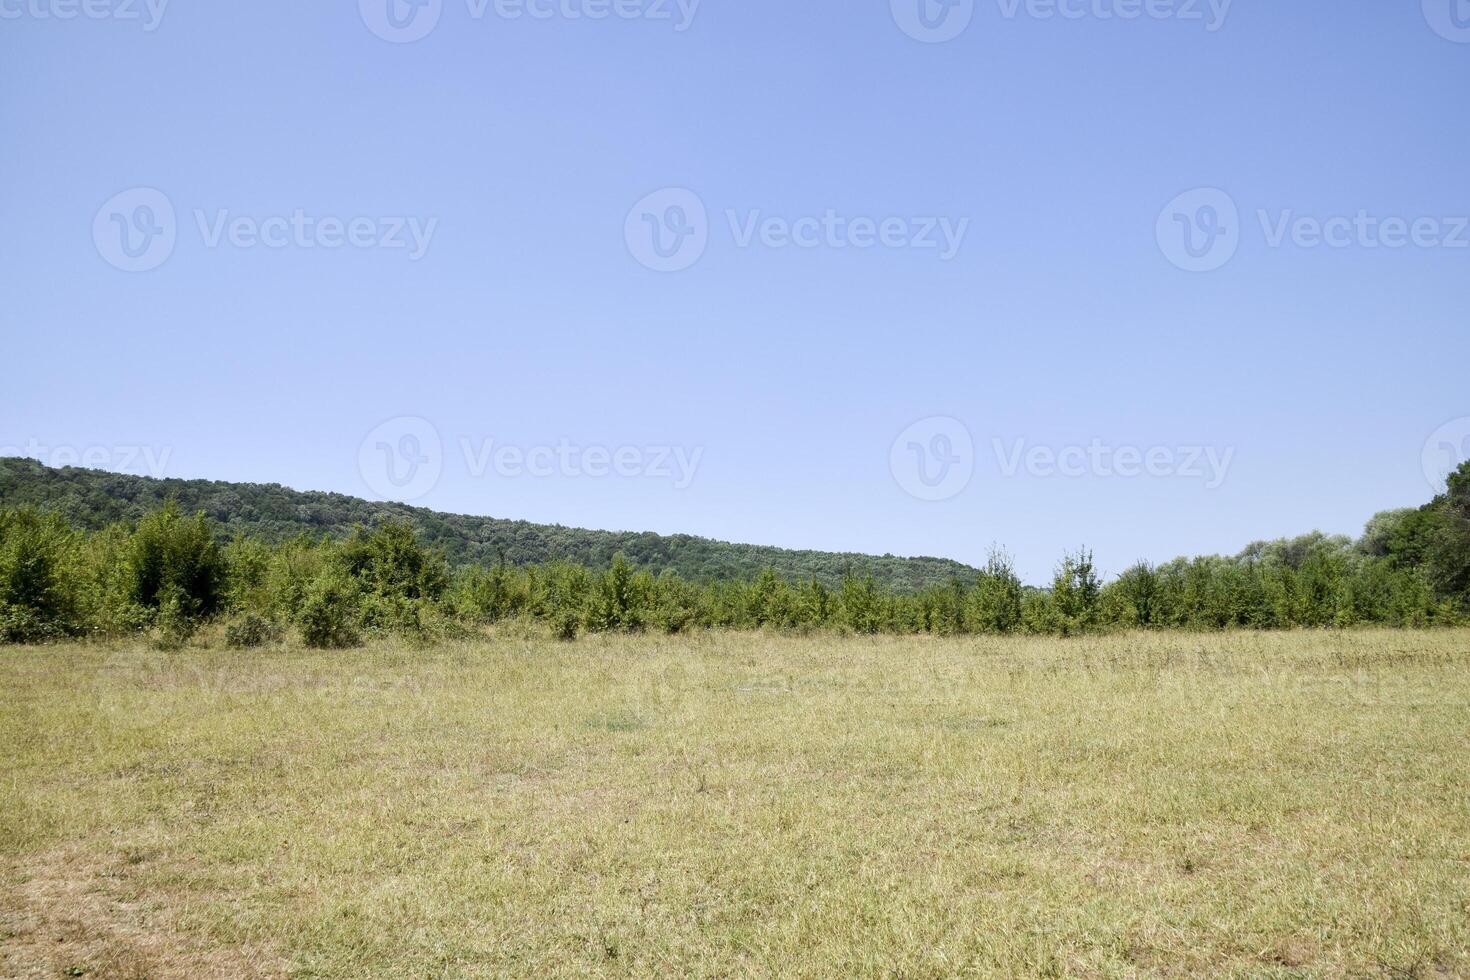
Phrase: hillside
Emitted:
{"points": [[94, 499]]}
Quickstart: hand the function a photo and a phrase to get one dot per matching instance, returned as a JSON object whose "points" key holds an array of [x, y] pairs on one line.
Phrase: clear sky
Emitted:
{"points": [[977, 261]]}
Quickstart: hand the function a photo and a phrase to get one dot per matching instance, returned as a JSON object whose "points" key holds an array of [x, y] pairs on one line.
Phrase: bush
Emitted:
{"points": [[329, 613], [173, 625], [175, 559], [488, 596], [565, 624], [994, 604], [617, 601], [861, 604], [674, 605], [250, 631], [389, 561], [1075, 592], [38, 578]]}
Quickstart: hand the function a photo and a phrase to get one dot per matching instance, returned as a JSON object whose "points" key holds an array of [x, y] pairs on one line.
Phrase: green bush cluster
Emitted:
{"points": [[167, 573]]}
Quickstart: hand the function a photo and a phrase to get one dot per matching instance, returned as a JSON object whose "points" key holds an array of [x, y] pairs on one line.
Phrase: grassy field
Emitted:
{"points": [[1255, 805]]}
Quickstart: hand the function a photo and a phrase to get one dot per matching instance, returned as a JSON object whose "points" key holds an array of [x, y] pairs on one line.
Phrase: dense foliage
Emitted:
{"points": [[166, 573], [93, 499]]}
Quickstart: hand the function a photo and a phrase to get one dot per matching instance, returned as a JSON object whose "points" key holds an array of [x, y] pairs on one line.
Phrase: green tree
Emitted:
{"points": [[1075, 591], [1448, 552], [175, 559], [39, 582], [862, 606], [995, 602], [617, 602]]}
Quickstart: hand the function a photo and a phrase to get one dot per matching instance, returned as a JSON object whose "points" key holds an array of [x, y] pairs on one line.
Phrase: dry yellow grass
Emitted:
{"points": [[1255, 805]]}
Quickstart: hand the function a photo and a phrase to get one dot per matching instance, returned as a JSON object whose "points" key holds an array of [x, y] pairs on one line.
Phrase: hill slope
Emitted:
{"points": [[94, 499]]}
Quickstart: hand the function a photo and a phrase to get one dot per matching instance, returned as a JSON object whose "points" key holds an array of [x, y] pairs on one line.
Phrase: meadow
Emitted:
{"points": [[740, 804]]}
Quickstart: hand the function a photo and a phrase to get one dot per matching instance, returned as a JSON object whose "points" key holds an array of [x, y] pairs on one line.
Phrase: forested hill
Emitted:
{"points": [[94, 499]]}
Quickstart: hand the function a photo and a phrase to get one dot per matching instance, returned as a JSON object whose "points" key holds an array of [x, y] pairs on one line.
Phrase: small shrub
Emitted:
{"points": [[565, 624], [174, 624], [20, 624], [251, 631], [329, 613]]}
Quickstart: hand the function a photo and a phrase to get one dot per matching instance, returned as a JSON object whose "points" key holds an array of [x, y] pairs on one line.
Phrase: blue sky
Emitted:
{"points": [[810, 390]]}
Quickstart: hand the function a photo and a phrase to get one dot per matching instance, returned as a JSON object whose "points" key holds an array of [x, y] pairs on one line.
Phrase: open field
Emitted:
{"points": [[1247, 804]]}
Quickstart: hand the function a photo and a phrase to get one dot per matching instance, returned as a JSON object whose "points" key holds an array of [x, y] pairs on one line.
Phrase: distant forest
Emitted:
{"points": [[93, 500], [78, 560]]}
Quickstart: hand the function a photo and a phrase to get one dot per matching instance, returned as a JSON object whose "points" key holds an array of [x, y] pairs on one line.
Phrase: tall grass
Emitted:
{"points": [[1236, 804]]}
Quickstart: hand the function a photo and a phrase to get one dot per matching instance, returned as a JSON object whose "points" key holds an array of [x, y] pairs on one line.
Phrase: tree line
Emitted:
{"points": [[168, 573], [93, 499]]}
